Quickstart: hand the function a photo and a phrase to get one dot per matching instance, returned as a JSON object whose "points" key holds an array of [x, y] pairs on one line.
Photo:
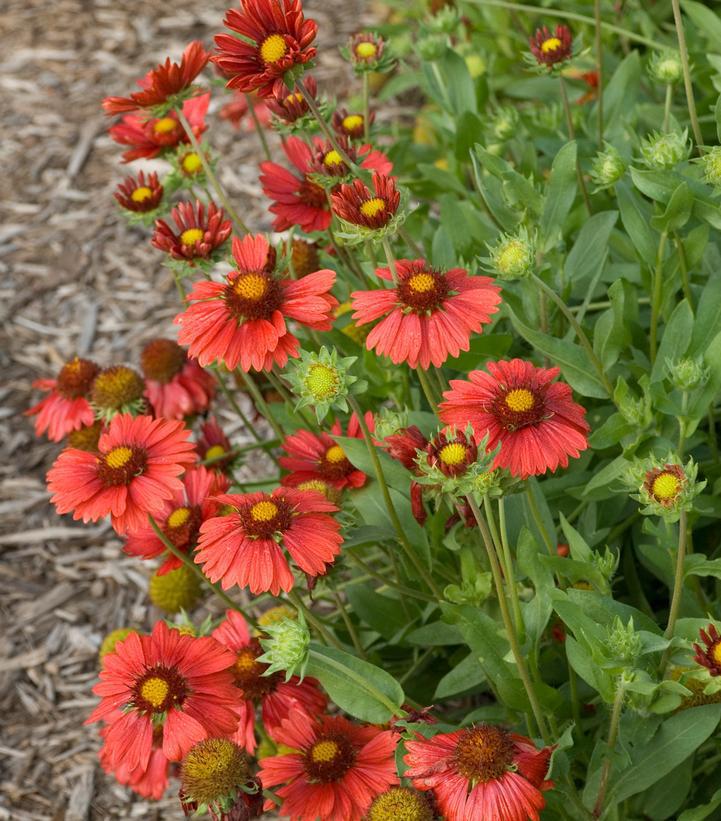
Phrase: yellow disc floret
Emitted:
{"points": [[155, 690], [213, 769], [264, 511], [335, 454], [273, 49], [332, 158], [323, 751], [192, 163], [421, 283], [520, 400], [322, 381], [353, 122], [551, 44], [666, 486], [191, 235], [118, 457], [141, 194], [373, 207], [400, 804], [176, 590], [453, 453], [366, 50], [178, 517], [251, 286], [215, 452]]}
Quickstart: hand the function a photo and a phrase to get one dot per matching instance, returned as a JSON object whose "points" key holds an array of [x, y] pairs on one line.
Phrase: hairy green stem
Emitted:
{"points": [[258, 128], [677, 586], [323, 125], [572, 136], [508, 565], [657, 293], [667, 107], [599, 68], [688, 85], [610, 747]]}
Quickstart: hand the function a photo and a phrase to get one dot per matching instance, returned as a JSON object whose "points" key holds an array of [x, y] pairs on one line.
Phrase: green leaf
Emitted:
{"points": [[469, 130], [675, 340], [677, 211], [537, 611], [459, 86], [560, 195], [636, 216], [361, 689], [703, 811], [708, 316], [385, 615], [570, 358], [357, 452], [435, 634], [486, 346], [464, 676], [590, 249], [621, 91], [610, 333], [706, 21]]}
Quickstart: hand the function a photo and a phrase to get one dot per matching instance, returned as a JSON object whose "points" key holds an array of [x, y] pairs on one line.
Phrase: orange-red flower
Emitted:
{"points": [[271, 693], [175, 385], [274, 37], [243, 320], [66, 408], [149, 137], [428, 316], [140, 194], [551, 49], [214, 444], [404, 445], [534, 419], [180, 518], [134, 472], [315, 457], [197, 235], [167, 679], [150, 781], [357, 204], [246, 546], [297, 200], [709, 655], [335, 771], [163, 83], [481, 773]]}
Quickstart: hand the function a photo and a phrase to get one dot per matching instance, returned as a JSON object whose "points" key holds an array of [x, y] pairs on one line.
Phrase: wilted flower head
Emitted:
{"points": [[665, 150], [113, 638], [513, 255], [666, 67], [552, 49], [607, 167], [401, 804], [176, 590], [287, 646], [323, 380]]}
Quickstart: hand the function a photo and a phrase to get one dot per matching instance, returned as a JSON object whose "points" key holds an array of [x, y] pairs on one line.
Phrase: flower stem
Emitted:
{"points": [[301, 607], [536, 514], [347, 621], [683, 268], [612, 737], [258, 128], [210, 174], [688, 85], [599, 69], [656, 296], [407, 591], [508, 623], [261, 403], [186, 559], [390, 507], [667, 107], [366, 108], [572, 136], [580, 334], [508, 566], [427, 389], [677, 586], [323, 125], [391, 259]]}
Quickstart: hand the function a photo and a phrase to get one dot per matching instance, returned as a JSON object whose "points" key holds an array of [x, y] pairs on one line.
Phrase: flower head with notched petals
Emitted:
{"points": [[180, 518], [328, 166], [243, 321], [297, 200], [290, 106], [534, 419], [66, 407], [213, 444], [709, 655], [196, 235], [169, 680], [150, 781], [403, 446], [481, 773], [139, 194], [246, 546], [350, 125], [274, 38], [316, 457], [362, 208], [428, 316], [551, 49], [134, 472], [149, 137], [164, 86], [175, 385], [336, 768], [271, 693]]}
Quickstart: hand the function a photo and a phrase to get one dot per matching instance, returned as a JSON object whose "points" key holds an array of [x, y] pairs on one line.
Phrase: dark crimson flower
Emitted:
{"points": [[404, 446], [196, 235], [66, 408], [214, 444], [428, 316], [147, 138], [709, 656], [280, 38], [140, 194], [357, 204], [163, 83], [350, 125], [290, 106], [534, 419], [552, 49], [304, 257]]}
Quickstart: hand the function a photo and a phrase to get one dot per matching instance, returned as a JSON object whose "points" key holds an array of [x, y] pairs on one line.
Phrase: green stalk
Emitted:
{"points": [[677, 586], [538, 520], [599, 68], [187, 560], [366, 108], [301, 607], [572, 136], [667, 107], [258, 128], [683, 268], [427, 389], [406, 591], [656, 296], [323, 125], [611, 746], [347, 621], [688, 85], [262, 404], [508, 566]]}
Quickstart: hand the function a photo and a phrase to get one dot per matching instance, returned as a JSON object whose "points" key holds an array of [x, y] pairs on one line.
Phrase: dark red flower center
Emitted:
{"points": [[161, 360], [311, 194], [76, 378], [483, 753], [269, 515], [253, 295], [329, 758], [159, 689], [334, 464], [423, 290], [519, 406], [182, 525], [248, 672], [121, 465]]}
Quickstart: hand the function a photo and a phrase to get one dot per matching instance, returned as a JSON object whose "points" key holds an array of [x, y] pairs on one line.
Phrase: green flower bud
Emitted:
{"points": [[687, 374], [445, 21], [624, 644], [607, 167], [505, 123], [665, 150], [711, 164], [388, 422], [476, 65], [432, 47], [287, 647], [513, 256], [666, 67], [323, 380]]}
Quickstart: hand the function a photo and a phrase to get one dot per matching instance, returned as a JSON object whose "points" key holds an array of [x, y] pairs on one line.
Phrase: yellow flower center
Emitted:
{"points": [[512, 256], [273, 49], [332, 158], [165, 125], [716, 653], [191, 236], [141, 194], [520, 400], [179, 517], [372, 207], [421, 283], [366, 50], [324, 751], [192, 163], [251, 286], [245, 661], [335, 454], [550, 45], [666, 486], [118, 457], [294, 98], [453, 453], [322, 381], [275, 615], [155, 691], [264, 511], [352, 122], [400, 804], [215, 452]]}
